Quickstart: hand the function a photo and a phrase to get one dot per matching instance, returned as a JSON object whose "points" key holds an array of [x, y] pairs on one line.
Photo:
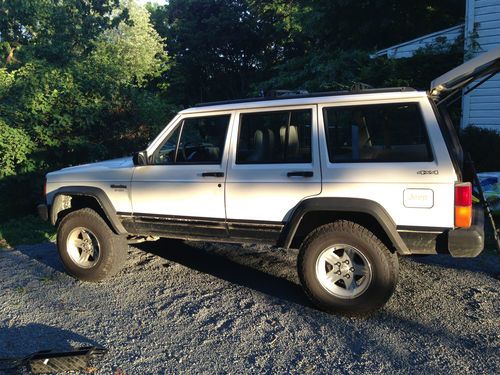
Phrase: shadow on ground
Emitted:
{"points": [[226, 269], [45, 253], [487, 263], [379, 334]]}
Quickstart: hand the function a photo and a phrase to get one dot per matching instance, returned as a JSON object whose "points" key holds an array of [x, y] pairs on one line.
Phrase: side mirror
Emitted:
{"points": [[140, 158]]}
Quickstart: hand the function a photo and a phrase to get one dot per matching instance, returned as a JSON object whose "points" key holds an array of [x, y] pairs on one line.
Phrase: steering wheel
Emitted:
{"points": [[183, 150]]}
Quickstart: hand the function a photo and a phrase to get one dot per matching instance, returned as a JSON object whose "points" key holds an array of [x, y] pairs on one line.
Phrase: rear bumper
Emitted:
{"points": [[468, 243], [460, 243]]}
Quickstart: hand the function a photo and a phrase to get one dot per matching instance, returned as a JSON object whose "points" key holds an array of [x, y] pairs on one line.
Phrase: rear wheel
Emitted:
{"points": [[345, 268], [88, 248]]}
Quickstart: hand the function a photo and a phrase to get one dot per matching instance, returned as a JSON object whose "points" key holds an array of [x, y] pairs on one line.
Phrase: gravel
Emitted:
{"points": [[179, 307]]}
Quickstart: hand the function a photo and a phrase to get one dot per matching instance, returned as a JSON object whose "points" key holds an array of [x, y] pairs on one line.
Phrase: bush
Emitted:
{"points": [[15, 145], [20, 194], [484, 147]]}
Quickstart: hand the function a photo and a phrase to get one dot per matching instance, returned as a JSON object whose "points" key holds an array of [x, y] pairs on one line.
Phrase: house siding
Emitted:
{"points": [[408, 49], [481, 107]]}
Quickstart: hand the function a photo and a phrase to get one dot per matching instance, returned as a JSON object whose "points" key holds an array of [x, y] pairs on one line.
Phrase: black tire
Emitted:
{"points": [[383, 266], [112, 248]]}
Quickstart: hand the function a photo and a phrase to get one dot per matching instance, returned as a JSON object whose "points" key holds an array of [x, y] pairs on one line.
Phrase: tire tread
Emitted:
{"points": [[116, 254], [345, 226]]}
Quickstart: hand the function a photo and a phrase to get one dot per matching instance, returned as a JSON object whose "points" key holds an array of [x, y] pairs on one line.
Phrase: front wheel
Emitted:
{"points": [[88, 248], [345, 268]]}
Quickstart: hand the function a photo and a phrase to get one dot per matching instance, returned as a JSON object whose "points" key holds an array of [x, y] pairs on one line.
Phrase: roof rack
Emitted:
{"points": [[287, 94], [360, 86], [281, 93]]}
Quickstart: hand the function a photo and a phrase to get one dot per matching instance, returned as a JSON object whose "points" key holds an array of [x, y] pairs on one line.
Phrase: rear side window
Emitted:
{"points": [[275, 137], [377, 133]]}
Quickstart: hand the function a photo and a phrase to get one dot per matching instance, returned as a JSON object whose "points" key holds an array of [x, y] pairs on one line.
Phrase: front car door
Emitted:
{"points": [[180, 193]]}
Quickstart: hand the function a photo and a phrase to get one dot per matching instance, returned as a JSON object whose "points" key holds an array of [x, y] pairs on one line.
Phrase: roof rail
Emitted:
{"points": [[285, 94], [281, 93]]}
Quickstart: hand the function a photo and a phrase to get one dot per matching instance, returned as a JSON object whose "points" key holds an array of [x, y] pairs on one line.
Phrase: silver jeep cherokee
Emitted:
{"points": [[353, 179]]}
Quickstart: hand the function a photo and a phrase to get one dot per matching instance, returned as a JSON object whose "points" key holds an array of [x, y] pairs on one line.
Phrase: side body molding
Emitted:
{"points": [[86, 191], [344, 205]]}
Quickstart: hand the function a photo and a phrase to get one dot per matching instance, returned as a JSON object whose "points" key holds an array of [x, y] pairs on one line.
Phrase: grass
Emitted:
{"points": [[25, 230]]}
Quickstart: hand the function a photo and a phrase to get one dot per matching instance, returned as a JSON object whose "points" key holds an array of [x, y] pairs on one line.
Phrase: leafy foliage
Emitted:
{"points": [[55, 31], [15, 145], [483, 146], [76, 88], [218, 47], [129, 53]]}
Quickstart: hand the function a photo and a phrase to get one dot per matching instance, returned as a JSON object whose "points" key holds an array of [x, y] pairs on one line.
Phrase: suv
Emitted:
{"points": [[353, 179]]}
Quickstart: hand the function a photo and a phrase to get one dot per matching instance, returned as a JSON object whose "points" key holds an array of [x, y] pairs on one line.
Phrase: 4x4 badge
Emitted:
{"points": [[423, 172]]}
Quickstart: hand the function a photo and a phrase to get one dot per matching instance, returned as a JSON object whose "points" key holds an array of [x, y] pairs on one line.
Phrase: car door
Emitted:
{"points": [[391, 152], [274, 164], [181, 190]]}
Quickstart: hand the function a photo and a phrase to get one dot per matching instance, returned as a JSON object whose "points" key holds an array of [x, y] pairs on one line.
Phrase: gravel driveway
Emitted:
{"points": [[180, 307]]}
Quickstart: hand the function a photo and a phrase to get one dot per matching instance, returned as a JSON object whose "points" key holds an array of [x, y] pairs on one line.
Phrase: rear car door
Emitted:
{"points": [[273, 165]]}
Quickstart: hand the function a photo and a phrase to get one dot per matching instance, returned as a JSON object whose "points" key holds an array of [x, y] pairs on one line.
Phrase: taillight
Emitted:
{"points": [[463, 205]]}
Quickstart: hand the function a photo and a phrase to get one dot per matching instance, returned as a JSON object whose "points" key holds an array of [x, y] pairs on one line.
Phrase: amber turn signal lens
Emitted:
{"points": [[463, 216]]}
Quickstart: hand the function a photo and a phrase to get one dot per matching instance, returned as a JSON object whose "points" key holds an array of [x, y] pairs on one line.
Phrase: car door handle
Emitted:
{"points": [[300, 174], [212, 174]]}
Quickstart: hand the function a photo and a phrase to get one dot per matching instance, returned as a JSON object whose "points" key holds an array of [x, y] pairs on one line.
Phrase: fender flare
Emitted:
{"points": [[87, 191], [354, 205]]}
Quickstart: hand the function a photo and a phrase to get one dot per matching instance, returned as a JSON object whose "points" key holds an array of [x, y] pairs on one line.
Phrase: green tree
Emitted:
{"points": [[130, 53], [325, 44], [118, 72], [55, 31], [359, 24], [218, 48], [15, 146], [77, 88]]}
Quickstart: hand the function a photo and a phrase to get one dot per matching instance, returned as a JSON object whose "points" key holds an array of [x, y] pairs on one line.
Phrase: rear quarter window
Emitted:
{"points": [[392, 132]]}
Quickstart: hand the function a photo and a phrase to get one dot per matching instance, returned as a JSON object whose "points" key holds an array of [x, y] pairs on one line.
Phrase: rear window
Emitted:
{"points": [[376, 133]]}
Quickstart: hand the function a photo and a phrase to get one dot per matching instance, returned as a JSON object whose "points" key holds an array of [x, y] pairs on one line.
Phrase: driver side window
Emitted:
{"points": [[198, 140]]}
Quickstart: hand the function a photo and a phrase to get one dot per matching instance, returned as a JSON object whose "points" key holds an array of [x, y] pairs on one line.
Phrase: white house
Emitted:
{"points": [[407, 49], [481, 107]]}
